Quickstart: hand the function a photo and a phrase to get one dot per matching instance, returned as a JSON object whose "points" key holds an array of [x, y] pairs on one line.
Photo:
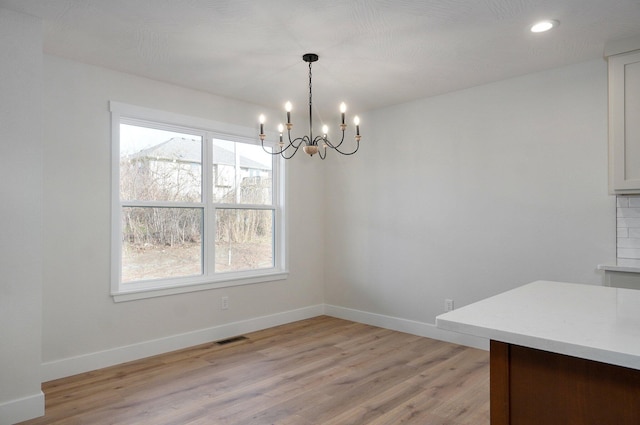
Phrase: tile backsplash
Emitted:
{"points": [[628, 230]]}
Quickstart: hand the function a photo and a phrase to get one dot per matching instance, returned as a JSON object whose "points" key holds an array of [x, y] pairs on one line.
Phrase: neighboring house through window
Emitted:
{"points": [[196, 205]]}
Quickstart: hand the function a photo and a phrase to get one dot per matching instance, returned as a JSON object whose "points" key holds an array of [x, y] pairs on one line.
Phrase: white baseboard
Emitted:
{"points": [[22, 409], [427, 330], [93, 361]]}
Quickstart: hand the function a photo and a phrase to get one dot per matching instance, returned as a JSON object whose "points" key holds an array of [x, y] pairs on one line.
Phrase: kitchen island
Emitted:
{"points": [[561, 353]]}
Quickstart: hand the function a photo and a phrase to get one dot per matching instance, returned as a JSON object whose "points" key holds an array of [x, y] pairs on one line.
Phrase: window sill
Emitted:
{"points": [[614, 268], [206, 284]]}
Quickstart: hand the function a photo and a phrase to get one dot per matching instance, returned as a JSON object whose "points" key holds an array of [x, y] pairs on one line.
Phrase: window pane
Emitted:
{"points": [[159, 165], [161, 243], [244, 239], [242, 173]]}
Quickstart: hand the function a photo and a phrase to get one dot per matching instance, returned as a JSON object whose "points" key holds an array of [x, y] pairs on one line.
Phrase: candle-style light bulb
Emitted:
{"points": [[280, 130], [356, 121], [325, 130], [262, 120], [287, 107], [343, 109]]}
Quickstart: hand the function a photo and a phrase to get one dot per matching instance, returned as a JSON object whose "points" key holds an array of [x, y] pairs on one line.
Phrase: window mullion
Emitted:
{"points": [[162, 204], [210, 213], [238, 175], [244, 206], [278, 200]]}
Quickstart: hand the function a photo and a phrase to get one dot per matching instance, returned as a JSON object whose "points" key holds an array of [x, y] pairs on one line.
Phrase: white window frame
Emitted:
{"points": [[121, 112]]}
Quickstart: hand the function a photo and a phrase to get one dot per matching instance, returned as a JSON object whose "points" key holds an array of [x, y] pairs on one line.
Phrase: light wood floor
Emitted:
{"points": [[318, 371]]}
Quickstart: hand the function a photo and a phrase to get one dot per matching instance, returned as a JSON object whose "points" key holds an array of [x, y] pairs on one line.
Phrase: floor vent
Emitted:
{"points": [[230, 340]]}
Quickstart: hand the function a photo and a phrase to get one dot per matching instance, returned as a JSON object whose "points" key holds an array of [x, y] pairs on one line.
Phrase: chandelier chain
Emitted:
{"points": [[310, 105]]}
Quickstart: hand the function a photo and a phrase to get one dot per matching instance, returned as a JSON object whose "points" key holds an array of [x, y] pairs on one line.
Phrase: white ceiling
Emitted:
{"points": [[373, 53]]}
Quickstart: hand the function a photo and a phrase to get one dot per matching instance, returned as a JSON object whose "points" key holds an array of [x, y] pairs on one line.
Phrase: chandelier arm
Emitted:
{"points": [[301, 139], [315, 143], [285, 148], [320, 153], [295, 150], [272, 152], [282, 149], [336, 148], [331, 145], [317, 139], [292, 144], [328, 144], [349, 153]]}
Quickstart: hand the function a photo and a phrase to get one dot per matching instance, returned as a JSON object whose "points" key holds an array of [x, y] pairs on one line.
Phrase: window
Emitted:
{"points": [[196, 205]]}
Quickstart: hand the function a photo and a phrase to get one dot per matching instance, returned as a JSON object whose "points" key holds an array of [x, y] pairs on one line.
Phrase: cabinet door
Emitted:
{"points": [[535, 387], [624, 123]]}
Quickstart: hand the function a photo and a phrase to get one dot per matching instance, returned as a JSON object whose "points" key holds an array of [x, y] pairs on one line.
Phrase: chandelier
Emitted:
{"points": [[310, 144]]}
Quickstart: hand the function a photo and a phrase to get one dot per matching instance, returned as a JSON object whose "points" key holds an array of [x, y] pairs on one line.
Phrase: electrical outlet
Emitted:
{"points": [[448, 304], [224, 303]]}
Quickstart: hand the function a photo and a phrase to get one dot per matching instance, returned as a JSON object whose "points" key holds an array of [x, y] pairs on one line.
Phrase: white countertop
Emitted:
{"points": [[587, 321]]}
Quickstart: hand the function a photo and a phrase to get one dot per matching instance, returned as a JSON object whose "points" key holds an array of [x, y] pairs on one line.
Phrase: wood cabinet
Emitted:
{"points": [[534, 387], [624, 122], [560, 353]]}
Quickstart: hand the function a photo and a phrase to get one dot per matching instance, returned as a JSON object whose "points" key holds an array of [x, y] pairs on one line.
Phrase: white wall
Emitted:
{"points": [[83, 327], [468, 194], [21, 216], [459, 196]]}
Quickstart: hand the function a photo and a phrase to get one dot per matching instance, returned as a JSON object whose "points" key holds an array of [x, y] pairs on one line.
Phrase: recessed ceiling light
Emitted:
{"points": [[543, 26]]}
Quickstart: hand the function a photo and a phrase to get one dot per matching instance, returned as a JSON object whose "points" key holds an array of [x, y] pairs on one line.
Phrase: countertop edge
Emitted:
{"points": [[544, 344]]}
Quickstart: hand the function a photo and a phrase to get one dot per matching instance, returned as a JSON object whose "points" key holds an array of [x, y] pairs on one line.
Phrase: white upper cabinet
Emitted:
{"points": [[624, 117]]}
